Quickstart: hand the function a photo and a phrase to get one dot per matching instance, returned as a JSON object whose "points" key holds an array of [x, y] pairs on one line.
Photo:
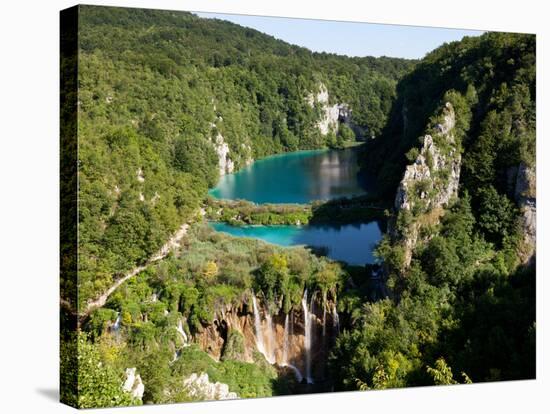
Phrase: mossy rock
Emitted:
{"points": [[234, 347]]}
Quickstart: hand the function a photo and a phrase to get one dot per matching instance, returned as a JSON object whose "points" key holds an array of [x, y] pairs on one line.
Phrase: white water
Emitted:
{"points": [[270, 339], [182, 333], [176, 356], [258, 328], [307, 337], [116, 326], [324, 314], [285, 341], [335, 319]]}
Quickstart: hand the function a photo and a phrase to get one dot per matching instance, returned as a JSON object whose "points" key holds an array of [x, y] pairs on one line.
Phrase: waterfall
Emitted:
{"points": [[270, 339], [307, 337], [291, 325], [177, 354], [182, 333], [286, 344], [116, 325], [335, 319], [258, 327], [285, 341], [324, 314]]}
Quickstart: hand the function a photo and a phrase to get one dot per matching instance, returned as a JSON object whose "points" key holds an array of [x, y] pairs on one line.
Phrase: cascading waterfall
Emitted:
{"points": [[258, 328], [324, 315], [182, 333], [335, 319], [176, 356], [285, 341], [270, 339], [289, 331], [116, 325], [307, 337]]}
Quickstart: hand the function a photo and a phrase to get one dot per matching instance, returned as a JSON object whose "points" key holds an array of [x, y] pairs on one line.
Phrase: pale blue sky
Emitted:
{"points": [[352, 39]]}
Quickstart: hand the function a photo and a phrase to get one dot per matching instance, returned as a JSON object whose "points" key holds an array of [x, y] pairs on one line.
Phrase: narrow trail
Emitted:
{"points": [[172, 243]]}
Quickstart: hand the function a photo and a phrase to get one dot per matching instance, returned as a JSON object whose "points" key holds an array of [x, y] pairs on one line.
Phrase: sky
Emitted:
{"points": [[352, 39]]}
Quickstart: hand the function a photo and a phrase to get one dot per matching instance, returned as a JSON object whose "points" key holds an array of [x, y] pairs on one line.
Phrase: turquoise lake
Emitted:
{"points": [[302, 177], [351, 243], [296, 177]]}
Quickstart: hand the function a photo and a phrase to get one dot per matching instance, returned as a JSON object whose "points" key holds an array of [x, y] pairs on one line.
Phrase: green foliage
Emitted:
{"points": [[442, 373], [234, 346], [273, 277], [248, 380], [497, 217], [490, 81], [463, 297], [157, 90], [458, 290], [412, 154], [196, 156], [87, 381], [345, 135]]}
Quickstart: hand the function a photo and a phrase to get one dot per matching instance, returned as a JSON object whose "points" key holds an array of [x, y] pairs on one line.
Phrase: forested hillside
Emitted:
{"points": [[168, 101], [495, 77], [460, 256]]}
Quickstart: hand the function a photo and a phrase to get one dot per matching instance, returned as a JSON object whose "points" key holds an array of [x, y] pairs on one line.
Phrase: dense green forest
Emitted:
{"points": [[157, 90], [465, 297]]}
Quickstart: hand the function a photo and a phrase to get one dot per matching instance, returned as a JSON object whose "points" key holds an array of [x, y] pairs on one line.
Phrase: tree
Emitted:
{"points": [[496, 215], [443, 375], [98, 384], [210, 271]]}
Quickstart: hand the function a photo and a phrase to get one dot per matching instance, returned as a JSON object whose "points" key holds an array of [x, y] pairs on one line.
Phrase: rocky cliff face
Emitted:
{"points": [[225, 164], [133, 384], [200, 388], [428, 184], [525, 193], [285, 340], [331, 115]]}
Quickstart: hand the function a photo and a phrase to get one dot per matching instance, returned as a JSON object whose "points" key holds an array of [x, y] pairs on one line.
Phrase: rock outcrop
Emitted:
{"points": [[133, 384], [225, 164], [525, 193], [199, 387], [331, 115], [428, 184], [281, 338]]}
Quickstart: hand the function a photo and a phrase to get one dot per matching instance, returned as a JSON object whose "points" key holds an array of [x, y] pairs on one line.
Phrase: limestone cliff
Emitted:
{"points": [[331, 115], [525, 193], [133, 384], [428, 184], [283, 339], [225, 164], [199, 388]]}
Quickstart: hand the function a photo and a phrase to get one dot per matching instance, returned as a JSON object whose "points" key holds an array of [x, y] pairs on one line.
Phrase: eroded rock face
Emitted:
{"points": [[426, 171], [525, 193], [133, 384], [281, 340], [331, 114], [199, 387], [429, 184], [225, 164]]}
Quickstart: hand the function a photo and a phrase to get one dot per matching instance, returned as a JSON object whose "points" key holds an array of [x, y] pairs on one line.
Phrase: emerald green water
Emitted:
{"points": [[296, 177], [301, 177]]}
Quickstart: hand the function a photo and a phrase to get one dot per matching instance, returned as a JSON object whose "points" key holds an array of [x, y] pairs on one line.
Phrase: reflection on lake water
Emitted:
{"points": [[351, 243], [297, 177]]}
